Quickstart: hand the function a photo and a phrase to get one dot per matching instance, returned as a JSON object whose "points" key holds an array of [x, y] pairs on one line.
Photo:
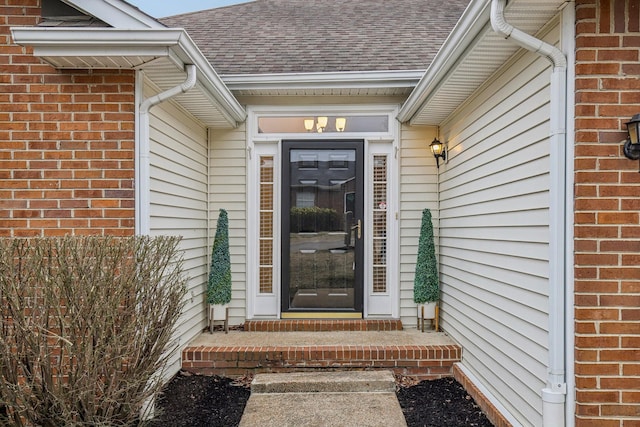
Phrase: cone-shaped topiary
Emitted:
{"points": [[426, 285], [219, 286]]}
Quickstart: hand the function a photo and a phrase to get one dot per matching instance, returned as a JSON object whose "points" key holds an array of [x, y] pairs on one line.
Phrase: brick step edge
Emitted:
{"points": [[425, 362], [322, 325]]}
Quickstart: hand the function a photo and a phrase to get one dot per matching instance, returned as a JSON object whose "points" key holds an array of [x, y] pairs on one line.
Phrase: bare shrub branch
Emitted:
{"points": [[86, 327]]}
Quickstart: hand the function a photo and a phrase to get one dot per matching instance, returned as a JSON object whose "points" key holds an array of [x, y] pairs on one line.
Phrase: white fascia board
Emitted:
{"points": [[474, 19], [335, 80], [117, 13]]}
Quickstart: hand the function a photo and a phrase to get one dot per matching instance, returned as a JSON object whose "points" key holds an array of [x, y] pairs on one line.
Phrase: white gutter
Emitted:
{"points": [[61, 39], [337, 80], [554, 395], [143, 181]]}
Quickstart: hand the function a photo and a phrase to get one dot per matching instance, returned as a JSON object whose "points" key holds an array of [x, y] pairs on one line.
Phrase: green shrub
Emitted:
{"points": [[219, 285], [314, 219], [87, 325], [426, 286]]}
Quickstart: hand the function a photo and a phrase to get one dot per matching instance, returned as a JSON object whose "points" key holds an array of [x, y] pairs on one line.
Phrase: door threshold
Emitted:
{"points": [[320, 315]]}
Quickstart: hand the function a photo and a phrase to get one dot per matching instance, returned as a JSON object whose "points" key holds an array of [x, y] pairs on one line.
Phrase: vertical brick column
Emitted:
{"points": [[66, 142], [607, 205]]}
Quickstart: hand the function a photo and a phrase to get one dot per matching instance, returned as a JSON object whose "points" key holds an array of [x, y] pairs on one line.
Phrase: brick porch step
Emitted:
{"points": [[428, 355], [322, 325]]}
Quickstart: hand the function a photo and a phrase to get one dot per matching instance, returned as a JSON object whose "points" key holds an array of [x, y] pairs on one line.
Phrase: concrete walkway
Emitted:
{"points": [[318, 399]]}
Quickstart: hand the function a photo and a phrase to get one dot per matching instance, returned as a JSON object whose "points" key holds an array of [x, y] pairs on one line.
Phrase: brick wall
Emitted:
{"points": [[607, 231], [66, 142]]}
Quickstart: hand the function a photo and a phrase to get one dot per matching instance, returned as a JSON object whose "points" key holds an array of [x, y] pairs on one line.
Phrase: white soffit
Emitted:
{"points": [[438, 95], [198, 101]]}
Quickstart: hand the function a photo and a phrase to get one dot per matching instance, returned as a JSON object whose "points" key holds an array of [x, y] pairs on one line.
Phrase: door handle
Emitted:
{"points": [[358, 227]]}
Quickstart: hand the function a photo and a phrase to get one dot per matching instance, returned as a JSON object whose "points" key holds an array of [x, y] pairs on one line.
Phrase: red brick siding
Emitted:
{"points": [[66, 142], [607, 230]]}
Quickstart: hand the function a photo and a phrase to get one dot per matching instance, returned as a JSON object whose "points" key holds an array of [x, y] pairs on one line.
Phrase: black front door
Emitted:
{"points": [[322, 226]]}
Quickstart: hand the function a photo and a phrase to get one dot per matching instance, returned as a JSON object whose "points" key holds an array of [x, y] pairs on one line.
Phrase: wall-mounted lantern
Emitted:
{"points": [[632, 144], [439, 151]]}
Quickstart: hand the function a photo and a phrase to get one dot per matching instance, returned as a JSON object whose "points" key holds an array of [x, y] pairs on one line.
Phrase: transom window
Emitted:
{"points": [[332, 124]]}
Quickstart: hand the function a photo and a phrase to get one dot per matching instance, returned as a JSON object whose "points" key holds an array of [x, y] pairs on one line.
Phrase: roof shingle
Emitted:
{"points": [[303, 36]]}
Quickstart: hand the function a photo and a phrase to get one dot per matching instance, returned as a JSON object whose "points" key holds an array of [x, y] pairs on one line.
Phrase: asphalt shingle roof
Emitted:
{"points": [[302, 36]]}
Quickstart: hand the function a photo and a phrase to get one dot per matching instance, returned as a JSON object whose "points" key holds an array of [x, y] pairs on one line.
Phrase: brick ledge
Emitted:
{"points": [[424, 362], [492, 413]]}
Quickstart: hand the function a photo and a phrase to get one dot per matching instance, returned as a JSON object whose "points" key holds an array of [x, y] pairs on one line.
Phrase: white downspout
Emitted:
{"points": [[568, 38], [143, 166], [554, 395]]}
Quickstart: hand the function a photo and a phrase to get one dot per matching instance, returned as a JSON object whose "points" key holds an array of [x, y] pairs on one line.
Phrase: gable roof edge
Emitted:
{"points": [[117, 13]]}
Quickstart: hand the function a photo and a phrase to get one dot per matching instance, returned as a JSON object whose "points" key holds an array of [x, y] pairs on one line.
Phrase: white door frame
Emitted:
{"points": [[376, 304]]}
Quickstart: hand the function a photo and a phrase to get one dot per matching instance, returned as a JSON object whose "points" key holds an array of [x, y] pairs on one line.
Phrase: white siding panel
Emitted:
{"points": [[228, 187], [179, 205], [418, 191], [494, 233]]}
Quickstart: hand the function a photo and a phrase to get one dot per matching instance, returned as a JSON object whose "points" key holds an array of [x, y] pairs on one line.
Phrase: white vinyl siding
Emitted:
{"points": [[228, 187], [418, 191], [494, 234], [178, 159]]}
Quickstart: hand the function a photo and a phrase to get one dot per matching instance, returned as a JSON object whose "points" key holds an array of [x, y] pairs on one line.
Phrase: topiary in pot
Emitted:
{"points": [[426, 285], [219, 285]]}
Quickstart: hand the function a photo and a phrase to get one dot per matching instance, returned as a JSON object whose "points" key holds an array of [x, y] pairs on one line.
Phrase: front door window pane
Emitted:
{"points": [[322, 237]]}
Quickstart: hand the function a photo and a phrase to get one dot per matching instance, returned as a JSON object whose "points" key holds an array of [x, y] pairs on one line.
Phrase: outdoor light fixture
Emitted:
{"points": [[632, 144], [308, 124], [319, 124], [439, 151], [322, 123]]}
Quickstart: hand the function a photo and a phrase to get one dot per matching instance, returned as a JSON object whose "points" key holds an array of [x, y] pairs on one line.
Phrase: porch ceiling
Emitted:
{"points": [[471, 54]]}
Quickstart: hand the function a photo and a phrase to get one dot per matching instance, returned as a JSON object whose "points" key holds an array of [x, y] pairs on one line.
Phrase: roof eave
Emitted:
{"points": [[472, 53], [189, 52], [140, 47], [473, 20]]}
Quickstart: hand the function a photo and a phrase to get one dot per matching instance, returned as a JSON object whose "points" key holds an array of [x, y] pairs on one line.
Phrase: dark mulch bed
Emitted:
{"points": [[438, 403], [197, 400]]}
